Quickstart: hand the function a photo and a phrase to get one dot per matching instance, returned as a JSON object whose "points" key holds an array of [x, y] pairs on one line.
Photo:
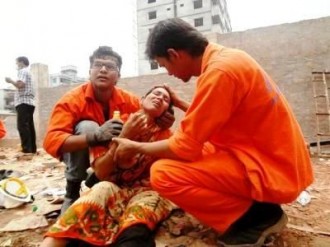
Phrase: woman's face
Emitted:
{"points": [[156, 102]]}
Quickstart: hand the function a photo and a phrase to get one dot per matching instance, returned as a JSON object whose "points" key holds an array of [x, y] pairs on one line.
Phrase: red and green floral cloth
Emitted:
{"points": [[106, 210]]}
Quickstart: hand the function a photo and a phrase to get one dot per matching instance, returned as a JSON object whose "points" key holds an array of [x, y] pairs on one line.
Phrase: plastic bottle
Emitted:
{"points": [[116, 115]]}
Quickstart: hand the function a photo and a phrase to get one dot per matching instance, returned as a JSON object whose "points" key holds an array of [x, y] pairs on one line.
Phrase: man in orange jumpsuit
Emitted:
{"points": [[82, 119], [259, 158], [2, 129]]}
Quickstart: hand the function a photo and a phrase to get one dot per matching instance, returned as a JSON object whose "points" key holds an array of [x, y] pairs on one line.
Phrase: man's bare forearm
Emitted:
{"points": [[158, 149], [183, 105]]}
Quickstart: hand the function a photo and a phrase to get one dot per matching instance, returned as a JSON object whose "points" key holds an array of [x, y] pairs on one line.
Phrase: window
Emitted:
{"points": [[151, 1], [152, 15], [222, 26], [215, 2], [181, 5], [198, 4], [168, 9], [153, 65], [198, 22], [215, 19]]}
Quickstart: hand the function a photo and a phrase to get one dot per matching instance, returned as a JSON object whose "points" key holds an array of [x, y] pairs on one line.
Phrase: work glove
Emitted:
{"points": [[105, 133]]}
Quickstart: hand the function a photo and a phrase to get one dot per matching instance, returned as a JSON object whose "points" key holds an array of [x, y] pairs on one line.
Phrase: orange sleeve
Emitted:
{"points": [[61, 124], [164, 134], [2, 130], [125, 102], [79, 104], [215, 99]]}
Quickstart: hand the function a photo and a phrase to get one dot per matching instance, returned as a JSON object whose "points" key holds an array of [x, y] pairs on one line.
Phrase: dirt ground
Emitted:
{"points": [[309, 225]]}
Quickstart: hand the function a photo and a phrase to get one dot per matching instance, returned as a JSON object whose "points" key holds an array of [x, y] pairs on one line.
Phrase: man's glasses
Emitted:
{"points": [[108, 66]]}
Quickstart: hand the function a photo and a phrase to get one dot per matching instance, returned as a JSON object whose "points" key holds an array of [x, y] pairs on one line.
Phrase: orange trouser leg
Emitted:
{"points": [[214, 189]]}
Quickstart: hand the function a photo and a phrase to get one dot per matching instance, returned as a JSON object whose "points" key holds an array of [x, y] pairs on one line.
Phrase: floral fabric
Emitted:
{"points": [[106, 210]]}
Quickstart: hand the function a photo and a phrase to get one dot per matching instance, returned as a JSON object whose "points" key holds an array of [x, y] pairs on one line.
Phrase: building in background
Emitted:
{"points": [[67, 76], [131, 51], [208, 16], [7, 100]]}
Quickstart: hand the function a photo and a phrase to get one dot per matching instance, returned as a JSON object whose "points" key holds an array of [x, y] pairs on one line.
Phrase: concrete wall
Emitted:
{"points": [[288, 52]]}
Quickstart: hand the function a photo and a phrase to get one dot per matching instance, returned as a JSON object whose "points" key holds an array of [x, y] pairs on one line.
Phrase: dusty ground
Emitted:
{"points": [[309, 225]]}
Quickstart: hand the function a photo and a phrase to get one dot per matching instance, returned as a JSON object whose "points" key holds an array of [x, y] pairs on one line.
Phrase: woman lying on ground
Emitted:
{"points": [[123, 210]]}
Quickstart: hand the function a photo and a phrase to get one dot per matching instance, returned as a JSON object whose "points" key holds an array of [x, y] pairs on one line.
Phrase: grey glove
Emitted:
{"points": [[104, 133]]}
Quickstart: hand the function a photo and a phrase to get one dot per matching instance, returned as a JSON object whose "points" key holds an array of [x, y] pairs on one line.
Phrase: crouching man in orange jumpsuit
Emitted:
{"points": [[259, 158], [82, 119], [2, 129]]}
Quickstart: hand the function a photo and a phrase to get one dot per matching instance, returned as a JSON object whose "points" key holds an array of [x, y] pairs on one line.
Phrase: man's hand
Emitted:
{"points": [[105, 132], [8, 80], [166, 120], [125, 148], [176, 100]]}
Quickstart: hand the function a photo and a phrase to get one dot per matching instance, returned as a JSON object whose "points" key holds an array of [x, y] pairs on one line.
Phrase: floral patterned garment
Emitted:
{"points": [[106, 210], [109, 208]]}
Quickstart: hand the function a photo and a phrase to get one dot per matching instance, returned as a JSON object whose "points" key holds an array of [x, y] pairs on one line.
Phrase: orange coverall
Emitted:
{"points": [[2, 130], [260, 153], [80, 104]]}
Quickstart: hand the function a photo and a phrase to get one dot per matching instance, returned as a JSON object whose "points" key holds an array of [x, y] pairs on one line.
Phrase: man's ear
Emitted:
{"points": [[172, 53]]}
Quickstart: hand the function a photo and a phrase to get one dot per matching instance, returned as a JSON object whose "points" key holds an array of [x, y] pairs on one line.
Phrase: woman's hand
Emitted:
{"points": [[135, 125]]}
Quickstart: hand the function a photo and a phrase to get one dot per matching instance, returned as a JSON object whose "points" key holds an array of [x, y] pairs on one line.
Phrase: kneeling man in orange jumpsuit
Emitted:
{"points": [[259, 159]]}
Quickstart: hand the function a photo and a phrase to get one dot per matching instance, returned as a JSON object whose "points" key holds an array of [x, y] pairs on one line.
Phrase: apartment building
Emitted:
{"points": [[208, 16], [67, 76]]}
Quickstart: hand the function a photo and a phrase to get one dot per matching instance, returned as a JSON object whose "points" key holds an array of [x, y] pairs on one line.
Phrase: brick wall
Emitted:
{"points": [[288, 52]]}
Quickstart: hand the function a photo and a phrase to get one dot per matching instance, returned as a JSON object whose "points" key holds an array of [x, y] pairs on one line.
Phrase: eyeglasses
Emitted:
{"points": [[108, 66]]}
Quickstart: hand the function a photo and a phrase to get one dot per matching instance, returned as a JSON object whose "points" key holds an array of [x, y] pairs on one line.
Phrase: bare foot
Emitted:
{"points": [[53, 242]]}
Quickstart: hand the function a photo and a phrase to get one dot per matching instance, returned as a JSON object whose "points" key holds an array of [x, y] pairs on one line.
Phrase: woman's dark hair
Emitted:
{"points": [[176, 34], [23, 60], [104, 51]]}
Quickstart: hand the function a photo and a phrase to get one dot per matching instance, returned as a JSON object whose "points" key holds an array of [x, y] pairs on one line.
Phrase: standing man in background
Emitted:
{"points": [[24, 104]]}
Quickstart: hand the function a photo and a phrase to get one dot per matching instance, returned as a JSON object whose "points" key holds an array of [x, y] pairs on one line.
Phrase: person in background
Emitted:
{"points": [[259, 160], [24, 105], [122, 210], [82, 118]]}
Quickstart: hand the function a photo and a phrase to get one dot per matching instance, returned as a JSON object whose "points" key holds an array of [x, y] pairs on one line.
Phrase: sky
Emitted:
{"points": [[66, 32]]}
